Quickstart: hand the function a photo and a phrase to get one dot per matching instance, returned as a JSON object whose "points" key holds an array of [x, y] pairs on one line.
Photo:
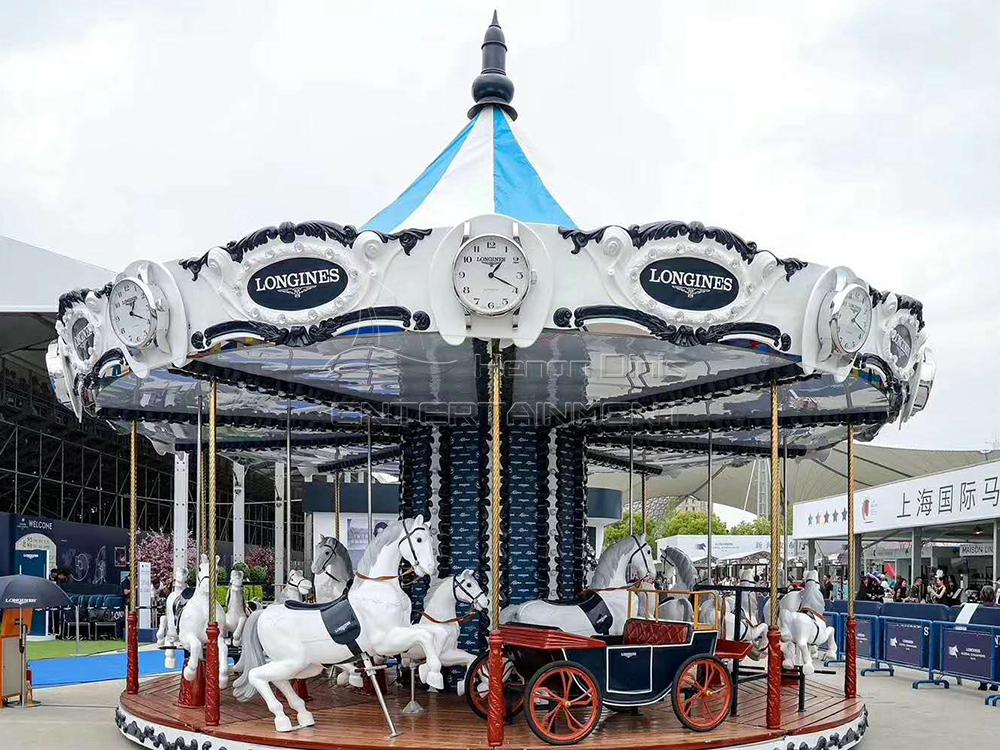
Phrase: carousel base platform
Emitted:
{"points": [[347, 719]]}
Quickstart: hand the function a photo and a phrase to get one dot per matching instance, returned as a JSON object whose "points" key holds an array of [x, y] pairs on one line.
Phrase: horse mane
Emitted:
{"points": [[607, 564], [391, 533], [340, 552], [686, 571]]}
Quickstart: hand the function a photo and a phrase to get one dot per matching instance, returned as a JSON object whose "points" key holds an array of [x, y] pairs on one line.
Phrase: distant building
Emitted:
{"points": [[692, 505]]}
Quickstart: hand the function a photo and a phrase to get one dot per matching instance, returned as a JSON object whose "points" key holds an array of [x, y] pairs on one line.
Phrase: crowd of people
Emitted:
{"points": [[942, 589]]}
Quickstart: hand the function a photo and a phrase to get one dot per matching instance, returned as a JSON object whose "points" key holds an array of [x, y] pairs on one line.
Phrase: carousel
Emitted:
{"points": [[496, 356]]}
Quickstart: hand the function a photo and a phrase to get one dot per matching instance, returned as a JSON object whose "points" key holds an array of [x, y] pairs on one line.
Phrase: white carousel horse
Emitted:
{"points": [[236, 611], [440, 618], [192, 626], [752, 629], [297, 588], [166, 633], [800, 631], [294, 640], [331, 568], [626, 563]]}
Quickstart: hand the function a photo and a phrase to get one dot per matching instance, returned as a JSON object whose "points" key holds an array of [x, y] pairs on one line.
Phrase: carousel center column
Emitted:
{"points": [[851, 657]]}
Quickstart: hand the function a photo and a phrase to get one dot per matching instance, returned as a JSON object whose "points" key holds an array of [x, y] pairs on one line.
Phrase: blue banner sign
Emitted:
{"points": [[905, 643], [866, 635], [967, 652]]}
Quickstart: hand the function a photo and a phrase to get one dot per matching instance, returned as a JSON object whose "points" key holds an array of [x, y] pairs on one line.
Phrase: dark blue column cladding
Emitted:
{"points": [[467, 516], [415, 492], [571, 498]]}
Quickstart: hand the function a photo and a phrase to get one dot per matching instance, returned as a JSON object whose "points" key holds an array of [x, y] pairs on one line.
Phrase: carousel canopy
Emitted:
{"points": [[646, 337]]}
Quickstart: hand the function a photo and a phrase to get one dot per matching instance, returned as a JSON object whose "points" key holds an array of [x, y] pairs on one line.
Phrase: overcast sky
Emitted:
{"points": [[865, 134]]}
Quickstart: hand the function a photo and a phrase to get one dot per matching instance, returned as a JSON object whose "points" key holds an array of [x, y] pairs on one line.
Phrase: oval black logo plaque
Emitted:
{"points": [[297, 284], [689, 283], [901, 345]]}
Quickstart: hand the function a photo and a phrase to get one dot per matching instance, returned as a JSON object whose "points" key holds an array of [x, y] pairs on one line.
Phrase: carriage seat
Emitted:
{"points": [[639, 632]]}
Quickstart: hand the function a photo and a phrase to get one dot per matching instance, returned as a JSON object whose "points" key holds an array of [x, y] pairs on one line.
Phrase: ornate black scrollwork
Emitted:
{"points": [[300, 335], [581, 238], [695, 231], [287, 231], [408, 238], [421, 321], [79, 296], [681, 335], [903, 302], [563, 317]]}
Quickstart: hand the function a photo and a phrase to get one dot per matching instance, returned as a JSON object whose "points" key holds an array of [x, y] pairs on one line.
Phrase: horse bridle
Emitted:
{"points": [[333, 550], [638, 550], [407, 535]]}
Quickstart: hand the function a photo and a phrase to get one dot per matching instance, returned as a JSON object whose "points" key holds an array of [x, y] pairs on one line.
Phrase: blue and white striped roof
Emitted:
{"points": [[484, 170]]}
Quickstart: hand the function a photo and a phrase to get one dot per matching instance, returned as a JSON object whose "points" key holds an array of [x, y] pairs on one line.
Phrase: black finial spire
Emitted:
{"points": [[492, 86]]}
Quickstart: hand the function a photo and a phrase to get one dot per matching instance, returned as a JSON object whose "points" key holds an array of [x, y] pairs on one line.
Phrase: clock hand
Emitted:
{"points": [[491, 273], [504, 281], [132, 313]]}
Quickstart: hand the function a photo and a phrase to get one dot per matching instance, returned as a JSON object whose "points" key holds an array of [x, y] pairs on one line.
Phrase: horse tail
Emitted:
{"points": [[251, 655], [686, 571]]}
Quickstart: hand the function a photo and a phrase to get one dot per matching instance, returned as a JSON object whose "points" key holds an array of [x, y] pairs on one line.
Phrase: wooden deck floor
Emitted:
{"points": [[347, 718]]}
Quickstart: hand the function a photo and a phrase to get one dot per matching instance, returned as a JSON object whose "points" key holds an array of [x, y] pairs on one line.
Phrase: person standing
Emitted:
{"points": [[827, 588]]}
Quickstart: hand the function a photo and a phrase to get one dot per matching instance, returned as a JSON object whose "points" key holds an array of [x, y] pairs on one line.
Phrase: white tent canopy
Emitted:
{"points": [[809, 478]]}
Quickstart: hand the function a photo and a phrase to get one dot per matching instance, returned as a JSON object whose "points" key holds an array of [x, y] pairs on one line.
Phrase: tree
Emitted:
{"points": [[760, 526], [617, 532], [692, 522]]}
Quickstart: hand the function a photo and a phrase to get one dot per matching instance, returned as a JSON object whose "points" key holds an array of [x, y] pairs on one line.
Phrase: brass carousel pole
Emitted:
{"points": [[495, 720], [212, 676], [851, 657], [338, 488], [132, 671], [631, 466], [773, 633]]}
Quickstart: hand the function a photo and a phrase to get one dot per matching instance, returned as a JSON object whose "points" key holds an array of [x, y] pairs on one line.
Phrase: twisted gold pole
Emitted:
{"points": [[338, 488], [212, 461], [852, 542], [495, 475], [777, 522], [133, 516]]}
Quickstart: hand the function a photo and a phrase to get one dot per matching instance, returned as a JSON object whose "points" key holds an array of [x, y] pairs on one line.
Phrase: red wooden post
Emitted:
{"points": [[851, 659], [773, 678], [192, 693], [301, 689], [495, 720], [212, 696], [132, 658]]}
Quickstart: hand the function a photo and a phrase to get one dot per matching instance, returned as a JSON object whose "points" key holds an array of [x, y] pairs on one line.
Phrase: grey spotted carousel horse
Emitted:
{"points": [[332, 569]]}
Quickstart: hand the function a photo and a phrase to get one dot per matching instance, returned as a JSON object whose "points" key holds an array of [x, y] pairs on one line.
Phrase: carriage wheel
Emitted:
{"points": [[564, 703], [702, 693], [477, 686]]}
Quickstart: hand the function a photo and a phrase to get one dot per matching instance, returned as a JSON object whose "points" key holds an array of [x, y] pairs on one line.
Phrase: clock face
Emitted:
{"points": [[491, 275], [133, 316], [853, 320]]}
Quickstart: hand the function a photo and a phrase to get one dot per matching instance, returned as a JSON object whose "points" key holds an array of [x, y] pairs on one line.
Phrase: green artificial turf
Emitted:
{"points": [[58, 649]]}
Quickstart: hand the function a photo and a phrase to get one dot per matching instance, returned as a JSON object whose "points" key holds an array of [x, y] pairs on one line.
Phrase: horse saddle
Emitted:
{"points": [[339, 619], [594, 607]]}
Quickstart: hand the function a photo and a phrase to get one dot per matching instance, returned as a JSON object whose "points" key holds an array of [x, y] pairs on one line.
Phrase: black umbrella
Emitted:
{"points": [[31, 592]]}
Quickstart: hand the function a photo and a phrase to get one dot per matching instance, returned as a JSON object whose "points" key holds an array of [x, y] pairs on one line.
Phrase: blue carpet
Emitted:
{"points": [[78, 669]]}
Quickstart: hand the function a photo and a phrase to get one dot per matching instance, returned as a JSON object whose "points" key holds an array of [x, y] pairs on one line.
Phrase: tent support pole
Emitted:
{"points": [[288, 487]]}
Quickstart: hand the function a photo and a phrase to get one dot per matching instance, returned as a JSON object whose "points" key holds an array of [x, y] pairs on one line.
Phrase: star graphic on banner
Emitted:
{"points": [[835, 516], [843, 513], [826, 518], [810, 520]]}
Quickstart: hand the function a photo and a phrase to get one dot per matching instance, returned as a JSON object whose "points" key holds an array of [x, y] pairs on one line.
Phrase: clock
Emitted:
{"points": [[136, 312], [491, 275], [848, 318]]}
